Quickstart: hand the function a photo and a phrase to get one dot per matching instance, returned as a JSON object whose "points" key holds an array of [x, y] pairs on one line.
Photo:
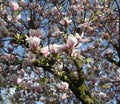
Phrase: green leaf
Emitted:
{"points": [[89, 60], [104, 86], [15, 13]]}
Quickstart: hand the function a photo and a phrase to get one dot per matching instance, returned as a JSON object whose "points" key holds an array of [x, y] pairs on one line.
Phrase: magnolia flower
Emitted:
{"points": [[14, 5], [75, 53], [101, 94], [55, 48], [45, 51], [59, 66], [30, 58], [19, 80], [36, 33], [9, 17], [79, 38], [54, 11], [65, 21], [56, 31], [38, 88], [64, 85], [18, 17], [34, 42], [22, 0], [64, 96], [14, 18], [72, 41], [27, 19]]}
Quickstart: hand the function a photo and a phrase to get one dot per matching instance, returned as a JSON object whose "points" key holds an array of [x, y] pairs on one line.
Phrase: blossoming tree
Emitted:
{"points": [[60, 51]]}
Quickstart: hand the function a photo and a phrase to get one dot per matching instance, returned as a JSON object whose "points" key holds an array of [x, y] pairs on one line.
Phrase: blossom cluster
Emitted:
{"points": [[34, 39], [70, 45]]}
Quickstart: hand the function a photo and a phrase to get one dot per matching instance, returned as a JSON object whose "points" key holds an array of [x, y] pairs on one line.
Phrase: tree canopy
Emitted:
{"points": [[60, 51]]}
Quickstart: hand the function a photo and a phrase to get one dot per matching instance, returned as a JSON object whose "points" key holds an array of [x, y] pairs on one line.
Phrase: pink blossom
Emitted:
{"points": [[86, 24], [75, 53], [65, 85], [64, 96], [22, 0], [18, 17], [30, 58], [45, 51], [79, 38], [65, 21], [101, 94], [14, 5], [34, 42], [55, 48], [9, 17], [56, 31], [54, 11], [27, 19], [72, 41], [36, 33], [19, 80], [38, 88]]}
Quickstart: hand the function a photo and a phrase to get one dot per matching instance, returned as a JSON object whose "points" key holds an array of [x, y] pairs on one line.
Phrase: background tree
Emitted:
{"points": [[60, 51]]}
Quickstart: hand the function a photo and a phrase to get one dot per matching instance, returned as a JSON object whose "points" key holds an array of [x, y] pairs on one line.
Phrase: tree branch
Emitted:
{"points": [[76, 84], [113, 61]]}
